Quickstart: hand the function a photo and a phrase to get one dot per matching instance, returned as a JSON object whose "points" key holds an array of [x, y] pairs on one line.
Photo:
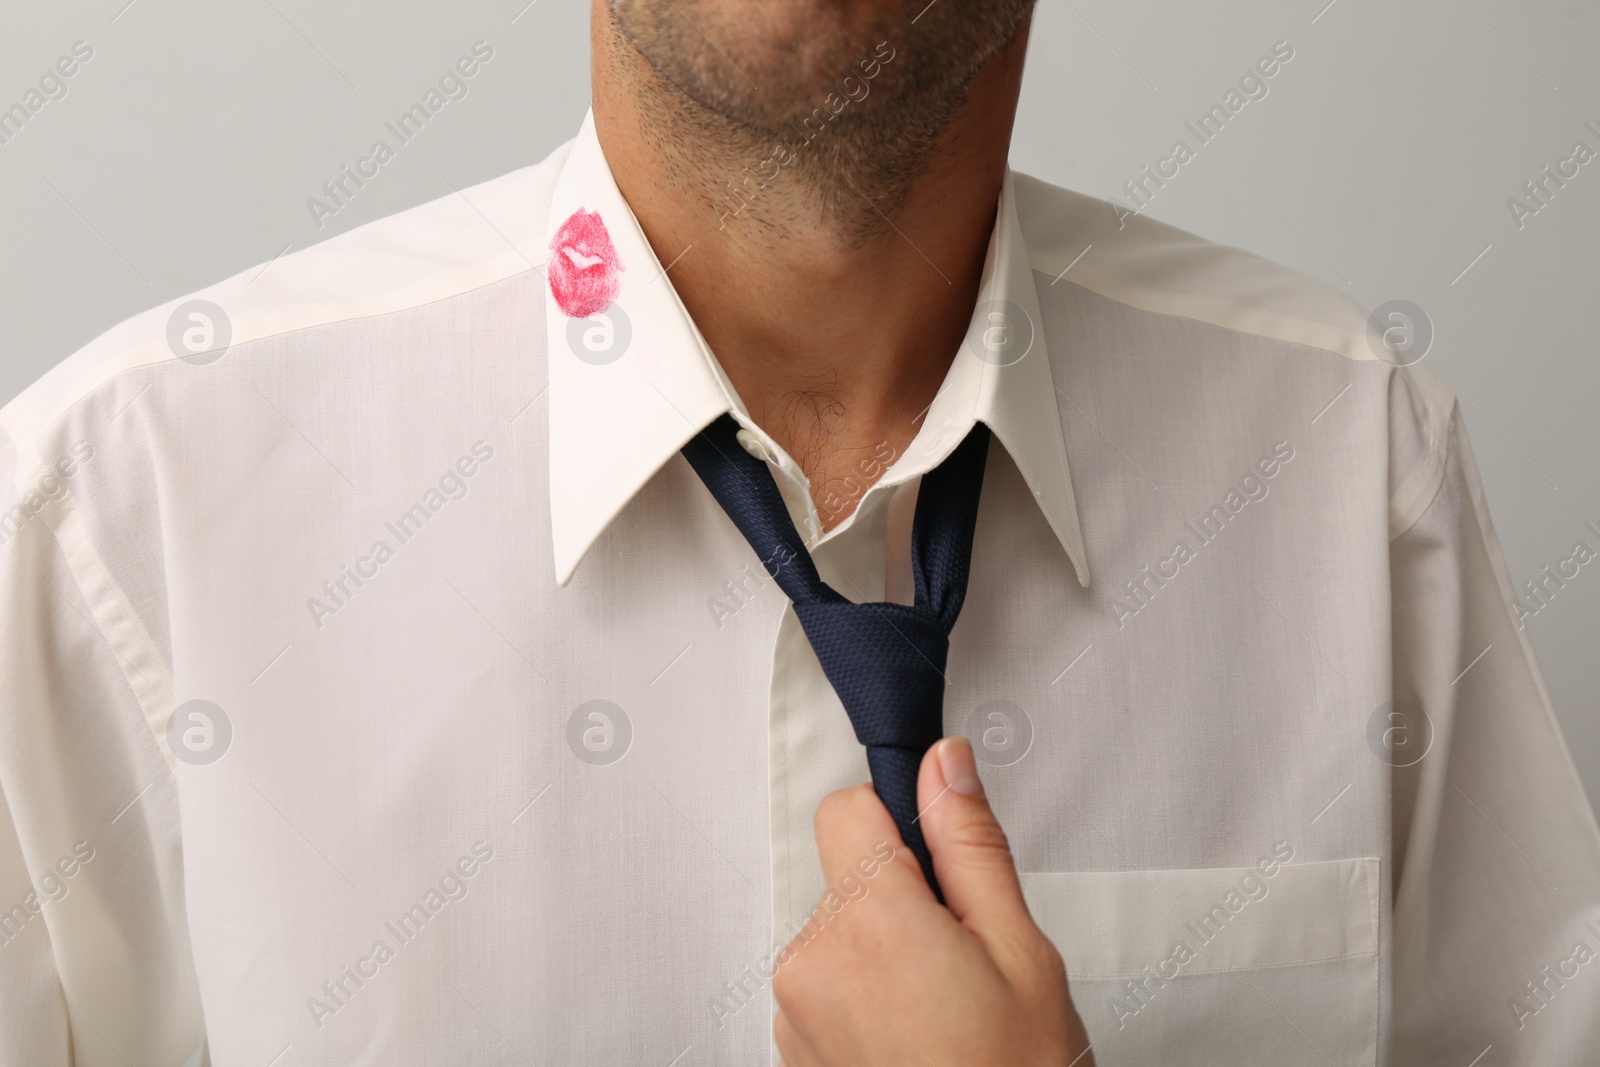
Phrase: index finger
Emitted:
{"points": [[861, 848]]}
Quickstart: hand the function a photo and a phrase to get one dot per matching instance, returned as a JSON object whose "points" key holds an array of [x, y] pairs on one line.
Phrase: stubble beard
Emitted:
{"points": [[816, 144]]}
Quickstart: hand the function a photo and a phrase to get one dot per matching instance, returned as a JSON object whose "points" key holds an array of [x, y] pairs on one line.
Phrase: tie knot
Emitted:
{"points": [[886, 662]]}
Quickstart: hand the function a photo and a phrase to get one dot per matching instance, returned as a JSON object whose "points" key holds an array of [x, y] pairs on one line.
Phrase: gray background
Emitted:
{"points": [[1381, 161]]}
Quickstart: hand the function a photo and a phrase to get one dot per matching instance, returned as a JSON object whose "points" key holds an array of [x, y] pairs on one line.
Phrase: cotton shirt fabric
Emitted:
{"points": [[383, 687]]}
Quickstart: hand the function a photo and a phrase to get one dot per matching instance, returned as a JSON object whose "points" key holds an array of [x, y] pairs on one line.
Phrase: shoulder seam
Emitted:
{"points": [[140, 341], [1319, 337], [1061, 215]]}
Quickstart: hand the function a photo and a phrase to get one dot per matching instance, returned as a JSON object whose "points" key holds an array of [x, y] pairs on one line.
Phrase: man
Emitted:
{"points": [[383, 685]]}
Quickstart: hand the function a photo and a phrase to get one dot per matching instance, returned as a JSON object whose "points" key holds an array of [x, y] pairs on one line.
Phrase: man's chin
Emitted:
{"points": [[758, 64]]}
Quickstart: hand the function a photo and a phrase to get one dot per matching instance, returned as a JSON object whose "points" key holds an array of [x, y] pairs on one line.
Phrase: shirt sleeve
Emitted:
{"points": [[1497, 856], [95, 965]]}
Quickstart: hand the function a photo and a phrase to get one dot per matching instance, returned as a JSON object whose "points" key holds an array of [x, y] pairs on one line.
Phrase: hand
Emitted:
{"points": [[888, 976]]}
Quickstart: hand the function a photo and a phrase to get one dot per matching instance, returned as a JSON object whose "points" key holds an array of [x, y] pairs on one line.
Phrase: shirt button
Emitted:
{"points": [[752, 444]]}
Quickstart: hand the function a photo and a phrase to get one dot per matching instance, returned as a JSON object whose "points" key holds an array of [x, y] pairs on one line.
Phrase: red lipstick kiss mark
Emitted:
{"points": [[583, 266]]}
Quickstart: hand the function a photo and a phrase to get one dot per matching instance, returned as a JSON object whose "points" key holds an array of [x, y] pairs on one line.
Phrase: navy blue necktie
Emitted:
{"points": [[886, 661]]}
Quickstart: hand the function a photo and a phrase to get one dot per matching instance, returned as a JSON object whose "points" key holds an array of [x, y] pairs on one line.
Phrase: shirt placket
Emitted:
{"points": [[812, 748]]}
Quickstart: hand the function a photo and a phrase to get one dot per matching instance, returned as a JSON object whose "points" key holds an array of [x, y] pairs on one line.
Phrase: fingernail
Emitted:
{"points": [[960, 770]]}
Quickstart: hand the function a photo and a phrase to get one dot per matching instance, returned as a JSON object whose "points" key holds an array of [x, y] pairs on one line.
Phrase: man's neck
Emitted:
{"points": [[836, 327]]}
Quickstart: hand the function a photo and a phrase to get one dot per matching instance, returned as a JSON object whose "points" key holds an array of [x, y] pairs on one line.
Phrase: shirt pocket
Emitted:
{"points": [[1226, 966]]}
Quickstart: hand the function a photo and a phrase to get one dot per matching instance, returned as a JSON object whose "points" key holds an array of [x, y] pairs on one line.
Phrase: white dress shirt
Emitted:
{"points": [[383, 687]]}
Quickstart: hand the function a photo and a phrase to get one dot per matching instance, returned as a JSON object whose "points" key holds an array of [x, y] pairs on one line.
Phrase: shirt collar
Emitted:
{"points": [[632, 384]]}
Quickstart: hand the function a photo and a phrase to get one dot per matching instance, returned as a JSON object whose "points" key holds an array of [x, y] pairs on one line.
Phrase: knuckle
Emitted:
{"points": [[785, 985], [794, 984], [800, 986], [1054, 966], [841, 806], [983, 836], [830, 809], [1043, 962]]}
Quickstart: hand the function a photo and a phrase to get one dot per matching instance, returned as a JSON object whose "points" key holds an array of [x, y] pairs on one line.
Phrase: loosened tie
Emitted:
{"points": [[886, 661]]}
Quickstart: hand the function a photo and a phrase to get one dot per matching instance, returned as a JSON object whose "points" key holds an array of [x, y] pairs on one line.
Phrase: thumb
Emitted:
{"points": [[971, 855]]}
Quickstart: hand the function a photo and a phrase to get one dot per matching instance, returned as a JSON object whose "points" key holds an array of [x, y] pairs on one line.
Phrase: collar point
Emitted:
{"points": [[566, 564]]}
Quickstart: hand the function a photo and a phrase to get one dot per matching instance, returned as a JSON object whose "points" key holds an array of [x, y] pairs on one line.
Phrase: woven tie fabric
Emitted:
{"points": [[886, 661]]}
